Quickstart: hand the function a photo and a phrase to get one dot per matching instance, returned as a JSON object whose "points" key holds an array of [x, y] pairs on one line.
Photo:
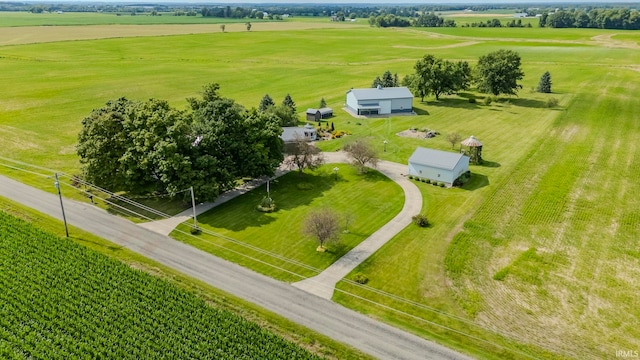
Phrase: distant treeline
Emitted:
{"points": [[424, 20], [592, 18], [498, 23]]}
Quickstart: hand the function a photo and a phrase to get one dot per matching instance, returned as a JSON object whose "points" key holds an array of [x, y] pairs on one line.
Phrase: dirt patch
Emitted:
{"points": [[413, 134], [43, 34], [462, 44], [608, 41]]}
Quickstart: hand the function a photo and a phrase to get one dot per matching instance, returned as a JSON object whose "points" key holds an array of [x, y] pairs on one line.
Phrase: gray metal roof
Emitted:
{"points": [[436, 158], [401, 92], [289, 133], [323, 111]]}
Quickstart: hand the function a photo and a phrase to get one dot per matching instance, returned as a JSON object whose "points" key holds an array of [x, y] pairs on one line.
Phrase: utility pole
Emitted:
{"points": [[268, 195], [64, 218], [193, 204]]}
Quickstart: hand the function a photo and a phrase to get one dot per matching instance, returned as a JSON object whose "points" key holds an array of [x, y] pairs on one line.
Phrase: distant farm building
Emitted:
{"points": [[380, 101], [293, 133], [319, 114], [436, 165]]}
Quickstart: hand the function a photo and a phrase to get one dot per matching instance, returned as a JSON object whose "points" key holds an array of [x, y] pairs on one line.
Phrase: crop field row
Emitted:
{"points": [[551, 255], [60, 301]]}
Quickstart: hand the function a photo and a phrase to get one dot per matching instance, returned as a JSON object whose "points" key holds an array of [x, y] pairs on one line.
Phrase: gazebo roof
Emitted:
{"points": [[472, 142]]}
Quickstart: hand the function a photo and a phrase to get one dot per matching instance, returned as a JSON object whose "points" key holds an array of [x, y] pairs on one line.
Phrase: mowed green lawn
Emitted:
{"points": [[552, 215], [252, 238]]}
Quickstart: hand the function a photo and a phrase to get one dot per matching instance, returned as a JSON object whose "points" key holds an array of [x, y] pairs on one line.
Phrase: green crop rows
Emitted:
{"points": [[59, 300]]}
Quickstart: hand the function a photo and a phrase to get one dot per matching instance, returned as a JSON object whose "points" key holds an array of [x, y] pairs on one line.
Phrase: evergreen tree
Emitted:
{"points": [[288, 102], [323, 103], [377, 81], [266, 102], [544, 86]]}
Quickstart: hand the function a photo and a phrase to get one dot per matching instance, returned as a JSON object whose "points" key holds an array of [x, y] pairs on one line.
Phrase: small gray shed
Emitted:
{"points": [[436, 165], [319, 114]]}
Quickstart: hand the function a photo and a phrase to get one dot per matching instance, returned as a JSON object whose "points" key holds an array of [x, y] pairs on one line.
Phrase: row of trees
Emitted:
{"points": [[496, 73], [149, 146], [424, 20], [594, 18], [498, 23]]}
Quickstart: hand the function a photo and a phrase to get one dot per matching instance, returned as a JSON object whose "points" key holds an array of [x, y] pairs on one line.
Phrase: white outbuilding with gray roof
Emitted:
{"points": [[380, 101], [437, 165]]}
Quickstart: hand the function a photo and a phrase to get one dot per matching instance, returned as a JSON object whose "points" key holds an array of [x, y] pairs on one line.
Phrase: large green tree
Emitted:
{"points": [[233, 143], [148, 146], [157, 154], [499, 72], [439, 77], [101, 143]]}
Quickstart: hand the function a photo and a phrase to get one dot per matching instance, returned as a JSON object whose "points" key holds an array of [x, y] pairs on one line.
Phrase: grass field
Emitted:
{"points": [[536, 258], [369, 200]]}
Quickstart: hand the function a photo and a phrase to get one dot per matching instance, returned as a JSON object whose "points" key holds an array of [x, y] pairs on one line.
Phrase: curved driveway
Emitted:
{"points": [[324, 316], [324, 283]]}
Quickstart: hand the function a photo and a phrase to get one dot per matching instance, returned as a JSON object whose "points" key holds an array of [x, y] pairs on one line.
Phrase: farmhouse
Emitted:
{"points": [[380, 101], [436, 165], [292, 133], [319, 114]]}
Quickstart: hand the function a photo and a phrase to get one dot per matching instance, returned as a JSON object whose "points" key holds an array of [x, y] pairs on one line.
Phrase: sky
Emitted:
{"points": [[353, 2]]}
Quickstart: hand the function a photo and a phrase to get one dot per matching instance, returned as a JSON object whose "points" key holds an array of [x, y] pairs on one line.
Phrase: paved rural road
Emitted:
{"points": [[328, 318]]}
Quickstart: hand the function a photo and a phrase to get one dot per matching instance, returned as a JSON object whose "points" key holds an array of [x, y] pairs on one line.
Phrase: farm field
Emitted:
{"points": [[218, 299], [252, 238], [61, 300], [539, 247]]}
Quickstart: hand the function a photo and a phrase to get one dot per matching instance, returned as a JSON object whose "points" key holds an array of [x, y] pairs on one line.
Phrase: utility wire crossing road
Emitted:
{"points": [[324, 316]]}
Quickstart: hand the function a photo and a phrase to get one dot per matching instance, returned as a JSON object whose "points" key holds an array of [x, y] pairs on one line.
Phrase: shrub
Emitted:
{"points": [[441, 184], [410, 177], [487, 100], [420, 220], [552, 102], [196, 231], [424, 130], [358, 123], [435, 183], [428, 181], [472, 100], [267, 205], [361, 278], [425, 180]]}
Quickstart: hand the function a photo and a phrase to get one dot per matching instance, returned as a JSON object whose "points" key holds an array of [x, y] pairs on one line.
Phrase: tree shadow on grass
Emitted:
{"points": [[457, 103], [288, 192], [530, 103], [489, 164]]}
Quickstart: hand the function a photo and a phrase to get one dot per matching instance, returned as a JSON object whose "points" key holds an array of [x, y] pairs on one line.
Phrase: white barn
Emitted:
{"points": [[380, 101], [291, 133], [437, 165]]}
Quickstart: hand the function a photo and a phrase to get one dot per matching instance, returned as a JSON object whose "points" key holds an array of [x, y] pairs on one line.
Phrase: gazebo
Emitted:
{"points": [[474, 151]]}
